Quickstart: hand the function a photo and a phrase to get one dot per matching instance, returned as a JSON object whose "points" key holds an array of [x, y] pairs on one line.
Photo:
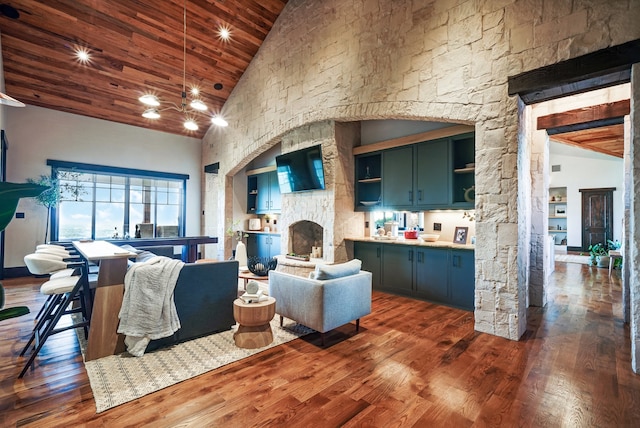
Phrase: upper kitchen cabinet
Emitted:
{"points": [[397, 178], [433, 174], [263, 193], [368, 181], [463, 152]]}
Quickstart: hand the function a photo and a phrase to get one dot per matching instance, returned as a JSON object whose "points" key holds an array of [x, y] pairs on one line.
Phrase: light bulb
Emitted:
{"points": [[198, 105], [150, 100], [219, 121], [151, 113], [191, 125]]}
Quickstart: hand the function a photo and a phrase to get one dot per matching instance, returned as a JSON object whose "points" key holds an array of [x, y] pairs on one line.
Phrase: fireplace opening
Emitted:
{"points": [[305, 237]]}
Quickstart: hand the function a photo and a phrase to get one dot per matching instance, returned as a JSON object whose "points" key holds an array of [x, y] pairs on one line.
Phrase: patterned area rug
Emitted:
{"points": [[572, 258], [118, 379]]}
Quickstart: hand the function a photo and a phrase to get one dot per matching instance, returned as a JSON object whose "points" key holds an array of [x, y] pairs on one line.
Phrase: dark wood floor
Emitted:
{"points": [[412, 364]]}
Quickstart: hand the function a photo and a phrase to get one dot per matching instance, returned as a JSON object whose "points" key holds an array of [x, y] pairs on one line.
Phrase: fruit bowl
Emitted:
{"points": [[429, 237], [261, 265], [410, 234]]}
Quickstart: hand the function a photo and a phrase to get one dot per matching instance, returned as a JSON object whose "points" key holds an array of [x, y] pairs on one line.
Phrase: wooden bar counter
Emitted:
{"points": [[103, 337]]}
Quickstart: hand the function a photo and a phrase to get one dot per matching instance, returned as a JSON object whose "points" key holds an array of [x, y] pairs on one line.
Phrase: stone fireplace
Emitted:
{"points": [[304, 236], [322, 218]]}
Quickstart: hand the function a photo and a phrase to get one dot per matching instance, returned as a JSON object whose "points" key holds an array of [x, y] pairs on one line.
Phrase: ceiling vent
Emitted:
{"points": [[555, 168]]}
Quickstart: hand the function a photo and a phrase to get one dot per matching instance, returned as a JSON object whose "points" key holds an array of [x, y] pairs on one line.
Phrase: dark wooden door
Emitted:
{"points": [[597, 216]]}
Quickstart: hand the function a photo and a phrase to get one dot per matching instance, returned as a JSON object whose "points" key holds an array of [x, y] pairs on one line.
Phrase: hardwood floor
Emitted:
{"points": [[412, 364]]}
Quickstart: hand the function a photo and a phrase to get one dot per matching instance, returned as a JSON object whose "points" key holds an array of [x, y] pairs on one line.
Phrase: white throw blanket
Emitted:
{"points": [[148, 311]]}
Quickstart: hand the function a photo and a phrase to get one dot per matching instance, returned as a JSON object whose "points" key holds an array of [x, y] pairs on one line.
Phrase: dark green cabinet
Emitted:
{"points": [[431, 277], [368, 182], [440, 275], [463, 151], [263, 193], [398, 268], [370, 254], [433, 174], [397, 177], [462, 279], [263, 245]]}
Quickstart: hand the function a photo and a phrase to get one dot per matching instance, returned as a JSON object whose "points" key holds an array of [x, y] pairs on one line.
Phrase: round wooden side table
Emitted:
{"points": [[254, 328]]}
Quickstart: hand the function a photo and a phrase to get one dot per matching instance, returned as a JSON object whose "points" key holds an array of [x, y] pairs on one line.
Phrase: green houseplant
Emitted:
{"points": [[599, 255], [10, 194]]}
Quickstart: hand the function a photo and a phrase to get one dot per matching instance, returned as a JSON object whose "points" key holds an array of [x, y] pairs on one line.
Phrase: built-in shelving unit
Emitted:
{"points": [[558, 217], [369, 181]]}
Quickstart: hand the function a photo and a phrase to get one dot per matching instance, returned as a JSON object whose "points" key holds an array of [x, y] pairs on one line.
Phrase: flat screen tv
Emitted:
{"points": [[301, 170]]}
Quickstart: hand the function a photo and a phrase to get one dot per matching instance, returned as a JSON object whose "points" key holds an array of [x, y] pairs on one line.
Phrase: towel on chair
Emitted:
{"points": [[148, 311]]}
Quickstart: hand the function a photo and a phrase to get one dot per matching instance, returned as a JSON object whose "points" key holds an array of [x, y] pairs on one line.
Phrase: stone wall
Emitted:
{"points": [[441, 60]]}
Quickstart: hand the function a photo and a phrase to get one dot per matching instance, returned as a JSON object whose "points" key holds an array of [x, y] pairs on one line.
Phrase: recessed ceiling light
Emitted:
{"points": [[224, 33], [82, 55], [217, 86]]}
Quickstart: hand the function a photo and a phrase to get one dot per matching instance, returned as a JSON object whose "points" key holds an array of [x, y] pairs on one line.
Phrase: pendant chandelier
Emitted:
{"points": [[193, 107]]}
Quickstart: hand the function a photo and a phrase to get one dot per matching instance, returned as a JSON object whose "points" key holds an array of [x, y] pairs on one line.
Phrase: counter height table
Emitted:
{"points": [[103, 337]]}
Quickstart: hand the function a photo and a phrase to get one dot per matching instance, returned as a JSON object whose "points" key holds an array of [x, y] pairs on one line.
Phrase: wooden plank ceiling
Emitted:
{"points": [[135, 47], [599, 128]]}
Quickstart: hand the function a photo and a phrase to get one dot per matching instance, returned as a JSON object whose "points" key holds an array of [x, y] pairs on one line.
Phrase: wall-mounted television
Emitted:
{"points": [[301, 170]]}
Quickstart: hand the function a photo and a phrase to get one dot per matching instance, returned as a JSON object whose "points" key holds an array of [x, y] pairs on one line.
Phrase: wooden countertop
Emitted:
{"points": [[413, 242]]}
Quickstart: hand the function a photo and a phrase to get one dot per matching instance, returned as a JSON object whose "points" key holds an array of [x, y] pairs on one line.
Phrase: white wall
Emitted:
{"points": [[36, 134], [582, 169]]}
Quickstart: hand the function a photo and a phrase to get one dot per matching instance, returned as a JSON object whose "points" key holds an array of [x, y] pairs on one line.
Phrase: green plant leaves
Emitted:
{"points": [[10, 194]]}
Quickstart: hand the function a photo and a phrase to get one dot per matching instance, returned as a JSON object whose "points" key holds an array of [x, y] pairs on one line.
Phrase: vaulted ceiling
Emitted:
{"points": [[135, 47]]}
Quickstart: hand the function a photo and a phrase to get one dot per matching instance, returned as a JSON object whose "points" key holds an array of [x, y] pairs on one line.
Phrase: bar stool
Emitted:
{"points": [[52, 265], [62, 291]]}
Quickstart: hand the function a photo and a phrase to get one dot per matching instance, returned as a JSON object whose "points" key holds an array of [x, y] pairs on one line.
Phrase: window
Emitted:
{"points": [[98, 202]]}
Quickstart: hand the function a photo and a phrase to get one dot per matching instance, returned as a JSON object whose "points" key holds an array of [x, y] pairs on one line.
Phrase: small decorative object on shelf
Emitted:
{"points": [[261, 265]]}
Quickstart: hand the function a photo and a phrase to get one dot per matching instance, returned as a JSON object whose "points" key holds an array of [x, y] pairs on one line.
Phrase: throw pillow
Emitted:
{"points": [[323, 272]]}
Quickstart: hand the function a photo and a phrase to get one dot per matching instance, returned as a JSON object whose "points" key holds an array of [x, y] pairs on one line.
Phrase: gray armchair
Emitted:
{"points": [[336, 295]]}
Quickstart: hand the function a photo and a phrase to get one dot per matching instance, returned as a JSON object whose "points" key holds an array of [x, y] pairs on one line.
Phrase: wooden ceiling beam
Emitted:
{"points": [[596, 113]]}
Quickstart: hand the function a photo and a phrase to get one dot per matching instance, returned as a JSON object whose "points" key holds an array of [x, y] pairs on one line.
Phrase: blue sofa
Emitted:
{"points": [[204, 296]]}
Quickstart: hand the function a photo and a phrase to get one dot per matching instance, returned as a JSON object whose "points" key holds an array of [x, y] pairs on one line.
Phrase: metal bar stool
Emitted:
{"points": [[63, 291]]}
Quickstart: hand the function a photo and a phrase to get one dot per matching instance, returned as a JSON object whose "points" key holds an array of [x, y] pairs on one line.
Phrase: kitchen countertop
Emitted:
{"points": [[414, 242]]}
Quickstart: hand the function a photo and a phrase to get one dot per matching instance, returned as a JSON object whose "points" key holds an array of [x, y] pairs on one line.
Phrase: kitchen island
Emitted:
{"points": [[441, 272]]}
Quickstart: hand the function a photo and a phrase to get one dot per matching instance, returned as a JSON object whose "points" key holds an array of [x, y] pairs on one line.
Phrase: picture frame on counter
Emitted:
{"points": [[460, 235]]}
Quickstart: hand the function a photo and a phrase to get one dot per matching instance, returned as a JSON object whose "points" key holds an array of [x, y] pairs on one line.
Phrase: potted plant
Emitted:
{"points": [[65, 183], [599, 255], [10, 194]]}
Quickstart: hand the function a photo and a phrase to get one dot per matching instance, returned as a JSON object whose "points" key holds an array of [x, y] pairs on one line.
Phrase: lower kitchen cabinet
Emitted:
{"points": [[370, 254], [263, 245], [462, 279], [440, 275], [432, 282], [397, 268]]}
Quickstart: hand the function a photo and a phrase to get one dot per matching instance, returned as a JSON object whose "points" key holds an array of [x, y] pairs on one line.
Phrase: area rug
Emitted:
{"points": [[572, 258], [118, 379]]}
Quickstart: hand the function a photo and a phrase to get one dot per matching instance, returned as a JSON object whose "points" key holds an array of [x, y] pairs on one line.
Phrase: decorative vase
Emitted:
{"points": [[241, 253], [603, 261]]}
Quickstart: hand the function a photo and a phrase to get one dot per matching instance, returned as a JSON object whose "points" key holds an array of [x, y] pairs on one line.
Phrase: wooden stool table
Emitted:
{"points": [[613, 255], [254, 328], [250, 275]]}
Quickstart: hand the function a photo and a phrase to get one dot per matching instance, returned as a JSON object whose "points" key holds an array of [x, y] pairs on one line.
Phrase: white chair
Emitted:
{"points": [[61, 291]]}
